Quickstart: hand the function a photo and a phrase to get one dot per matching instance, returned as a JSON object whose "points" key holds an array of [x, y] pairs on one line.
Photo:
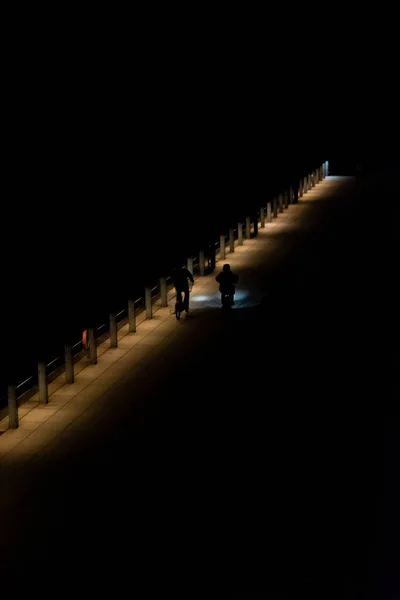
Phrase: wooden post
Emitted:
{"points": [[275, 205], [222, 247], [92, 346], [132, 316], [269, 212], [69, 364], [231, 240], [148, 303], [163, 292], [113, 331], [202, 262], [42, 383], [212, 259], [240, 234], [13, 420], [248, 226], [262, 217]]}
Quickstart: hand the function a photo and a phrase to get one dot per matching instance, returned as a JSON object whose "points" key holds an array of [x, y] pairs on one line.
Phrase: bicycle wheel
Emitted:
{"points": [[177, 311], [178, 305]]}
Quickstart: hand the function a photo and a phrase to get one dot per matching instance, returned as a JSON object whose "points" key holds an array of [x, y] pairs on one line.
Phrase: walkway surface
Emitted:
{"points": [[226, 451]]}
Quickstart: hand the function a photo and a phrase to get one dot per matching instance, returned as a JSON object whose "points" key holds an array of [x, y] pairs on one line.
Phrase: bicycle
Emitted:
{"points": [[179, 305], [227, 299]]}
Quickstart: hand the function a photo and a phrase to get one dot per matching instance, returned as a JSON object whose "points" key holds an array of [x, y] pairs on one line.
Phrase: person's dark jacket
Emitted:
{"points": [[227, 281], [181, 278]]}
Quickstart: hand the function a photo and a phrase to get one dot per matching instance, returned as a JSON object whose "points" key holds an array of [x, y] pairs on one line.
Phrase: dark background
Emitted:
{"points": [[125, 151], [102, 137], [271, 467], [99, 205]]}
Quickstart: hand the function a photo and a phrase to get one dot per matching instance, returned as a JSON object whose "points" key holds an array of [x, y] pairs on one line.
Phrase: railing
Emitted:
{"points": [[29, 386]]}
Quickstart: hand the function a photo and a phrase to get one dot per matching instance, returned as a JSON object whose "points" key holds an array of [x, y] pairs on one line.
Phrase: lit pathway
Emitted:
{"points": [[43, 426], [55, 439], [227, 451]]}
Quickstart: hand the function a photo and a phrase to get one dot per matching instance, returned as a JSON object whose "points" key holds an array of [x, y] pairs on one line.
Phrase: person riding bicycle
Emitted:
{"points": [[180, 279], [227, 281]]}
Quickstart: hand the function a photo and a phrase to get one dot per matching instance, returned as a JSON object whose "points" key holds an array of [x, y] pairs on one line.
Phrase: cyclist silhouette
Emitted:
{"points": [[227, 281], [180, 279]]}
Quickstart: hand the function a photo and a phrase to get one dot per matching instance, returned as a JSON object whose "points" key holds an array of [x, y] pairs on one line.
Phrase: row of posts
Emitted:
{"points": [[278, 204]]}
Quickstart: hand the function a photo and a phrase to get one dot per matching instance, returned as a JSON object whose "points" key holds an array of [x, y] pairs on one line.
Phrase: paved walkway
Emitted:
{"points": [[42, 426], [208, 448]]}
